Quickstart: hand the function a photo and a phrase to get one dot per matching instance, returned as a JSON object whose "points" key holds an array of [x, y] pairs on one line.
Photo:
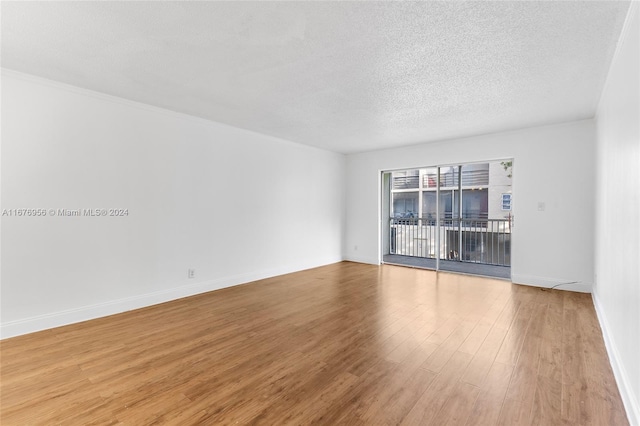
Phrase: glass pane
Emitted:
{"points": [[499, 198], [449, 177], [475, 203], [476, 175], [407, 179], [405, 204], [448, 204], [430, 178], [429, 205]]}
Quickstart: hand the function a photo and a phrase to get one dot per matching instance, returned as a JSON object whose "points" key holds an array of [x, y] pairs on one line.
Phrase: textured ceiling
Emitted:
{"points": [[345, 76]]}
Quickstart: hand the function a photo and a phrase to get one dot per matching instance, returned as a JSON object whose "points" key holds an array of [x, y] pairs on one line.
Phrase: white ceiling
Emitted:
{"points": [[345, 76]]}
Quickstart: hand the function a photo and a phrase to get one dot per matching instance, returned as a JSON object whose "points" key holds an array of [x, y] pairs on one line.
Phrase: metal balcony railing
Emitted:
{"points": [[485, 241], [450, 179], [447, 180], [406, 182]]}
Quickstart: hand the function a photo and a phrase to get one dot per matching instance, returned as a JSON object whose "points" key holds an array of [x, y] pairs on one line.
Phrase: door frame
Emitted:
{"points": [[384, 205]]}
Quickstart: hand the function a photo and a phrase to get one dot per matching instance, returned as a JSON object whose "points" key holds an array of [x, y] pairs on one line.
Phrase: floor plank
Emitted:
{"points": [[343, 344]]}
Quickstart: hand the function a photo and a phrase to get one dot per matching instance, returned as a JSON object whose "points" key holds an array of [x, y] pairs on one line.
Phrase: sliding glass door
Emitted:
{"points": [[437, 216]]}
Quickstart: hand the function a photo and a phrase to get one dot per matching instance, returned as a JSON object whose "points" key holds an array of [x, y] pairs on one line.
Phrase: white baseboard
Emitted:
{"points": [[84, 313], [629, 399], [544, 282], [363, 259]]}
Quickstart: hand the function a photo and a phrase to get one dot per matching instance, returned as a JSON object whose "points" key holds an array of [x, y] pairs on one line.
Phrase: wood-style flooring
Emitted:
{"points": [[345, 344]]}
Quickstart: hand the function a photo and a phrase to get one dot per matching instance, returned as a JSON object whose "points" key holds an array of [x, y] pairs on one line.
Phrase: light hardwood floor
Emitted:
{"points": [[342, 344]]}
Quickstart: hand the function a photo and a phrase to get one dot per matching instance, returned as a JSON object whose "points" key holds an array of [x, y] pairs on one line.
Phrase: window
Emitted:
{"points": [[429, 205], [506, 202], [405, 204], [475, 203]]}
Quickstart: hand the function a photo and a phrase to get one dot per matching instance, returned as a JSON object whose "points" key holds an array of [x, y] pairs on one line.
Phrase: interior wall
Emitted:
{"points": [[552, 164], [617, 287], [233, 205]]}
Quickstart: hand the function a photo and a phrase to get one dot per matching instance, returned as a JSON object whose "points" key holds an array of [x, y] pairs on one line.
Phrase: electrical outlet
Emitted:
{"points": [[191, 273]]}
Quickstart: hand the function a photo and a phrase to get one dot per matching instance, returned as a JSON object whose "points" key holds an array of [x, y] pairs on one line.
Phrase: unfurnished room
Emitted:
{"points": [[320, 212]]}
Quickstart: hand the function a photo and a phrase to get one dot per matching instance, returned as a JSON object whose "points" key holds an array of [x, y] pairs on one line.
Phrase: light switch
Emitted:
{"points": [[541, 206]]}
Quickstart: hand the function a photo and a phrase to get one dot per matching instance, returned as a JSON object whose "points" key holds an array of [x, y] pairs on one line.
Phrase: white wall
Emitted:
{"points": [[234, 205], [552, 164], [617, 288]]}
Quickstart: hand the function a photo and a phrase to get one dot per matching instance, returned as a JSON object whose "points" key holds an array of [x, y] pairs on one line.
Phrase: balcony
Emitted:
{"points": [[479, 241], [477, 177], [405, 182]]}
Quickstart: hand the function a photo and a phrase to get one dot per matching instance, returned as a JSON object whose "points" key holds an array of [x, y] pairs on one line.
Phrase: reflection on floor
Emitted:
{"points": [[450, 266]]}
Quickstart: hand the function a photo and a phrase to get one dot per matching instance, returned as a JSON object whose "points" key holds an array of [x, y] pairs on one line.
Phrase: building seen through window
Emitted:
{"points": [[485, 192]]}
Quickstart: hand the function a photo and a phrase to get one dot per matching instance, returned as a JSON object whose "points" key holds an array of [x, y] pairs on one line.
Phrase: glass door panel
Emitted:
{"points": [[450, 215]]}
